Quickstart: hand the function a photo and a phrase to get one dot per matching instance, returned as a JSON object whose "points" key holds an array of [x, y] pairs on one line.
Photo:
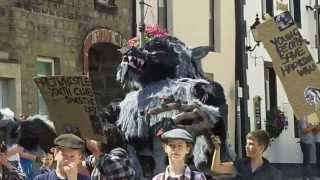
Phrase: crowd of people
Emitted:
{"points": [[74, 158]]}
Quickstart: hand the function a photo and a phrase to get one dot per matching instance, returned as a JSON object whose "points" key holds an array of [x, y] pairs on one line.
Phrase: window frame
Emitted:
{"points": [[211, 25], [270, 103], [265, 9], [293, 8], [163, 13], [50, 61]]}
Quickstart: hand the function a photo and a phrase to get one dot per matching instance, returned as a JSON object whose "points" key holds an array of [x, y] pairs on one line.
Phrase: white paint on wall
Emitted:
{"points": [[286, 148], [190, 23]]}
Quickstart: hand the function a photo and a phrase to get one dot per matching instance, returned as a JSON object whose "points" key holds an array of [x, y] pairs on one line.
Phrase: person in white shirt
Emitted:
{"points": [[306, 141], [316, 132]]}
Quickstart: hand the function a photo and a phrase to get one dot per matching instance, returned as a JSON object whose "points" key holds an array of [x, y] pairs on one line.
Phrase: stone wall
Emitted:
{"points": [[54, 29]]}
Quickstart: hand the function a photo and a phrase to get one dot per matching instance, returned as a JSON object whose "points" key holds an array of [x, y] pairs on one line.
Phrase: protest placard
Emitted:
{"points": [[71, 104], [293, 64]]}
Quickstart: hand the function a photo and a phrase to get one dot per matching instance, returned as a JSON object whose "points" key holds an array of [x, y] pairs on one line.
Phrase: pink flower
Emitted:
{"points": [[155, 31], [151, 31]]}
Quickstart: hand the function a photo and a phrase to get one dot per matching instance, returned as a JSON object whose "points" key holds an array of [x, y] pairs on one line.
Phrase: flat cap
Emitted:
{"points": [[69, 141], [178, 134]]}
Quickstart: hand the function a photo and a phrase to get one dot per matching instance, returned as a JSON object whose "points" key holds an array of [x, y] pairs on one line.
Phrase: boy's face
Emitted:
{"points": [[253, 148], [176, 149], [67, 156], [47, 160]]}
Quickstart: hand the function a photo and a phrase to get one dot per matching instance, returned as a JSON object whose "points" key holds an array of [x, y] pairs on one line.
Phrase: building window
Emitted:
{"points": [[211, 25], [105, 6], [134, 18], [4, 90], [214, 28], [296, 127], [317, 36], [296, 12], [267, 8], [44, 67], [162, 13], [270, 87], [57, 1]]}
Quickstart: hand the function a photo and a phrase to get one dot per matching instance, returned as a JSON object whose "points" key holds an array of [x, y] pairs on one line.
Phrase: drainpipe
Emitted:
{"points": [[242, 91], [317, 14]]}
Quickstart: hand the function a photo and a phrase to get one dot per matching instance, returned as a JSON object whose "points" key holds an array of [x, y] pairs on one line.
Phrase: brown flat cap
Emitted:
{"points": [[69, 141]]}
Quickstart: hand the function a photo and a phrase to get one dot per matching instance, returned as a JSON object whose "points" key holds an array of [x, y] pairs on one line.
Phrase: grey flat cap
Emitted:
{"points": [[69, 141], [178, 134]]}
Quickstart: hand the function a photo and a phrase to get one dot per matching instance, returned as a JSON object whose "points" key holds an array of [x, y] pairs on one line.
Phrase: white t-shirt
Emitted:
{"points": [[305, 137], [15, 157], [317, 137]]}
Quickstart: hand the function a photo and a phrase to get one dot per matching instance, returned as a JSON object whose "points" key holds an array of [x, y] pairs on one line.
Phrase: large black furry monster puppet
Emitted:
{"points": [[169, 89], [35, 134]]}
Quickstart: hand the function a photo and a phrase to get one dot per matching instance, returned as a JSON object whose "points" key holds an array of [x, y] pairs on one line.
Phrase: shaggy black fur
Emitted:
{"points": [[36, 132]]}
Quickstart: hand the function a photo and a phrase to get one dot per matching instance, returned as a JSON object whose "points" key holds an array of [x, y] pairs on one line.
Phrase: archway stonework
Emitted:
{"points": [[101, 35]]}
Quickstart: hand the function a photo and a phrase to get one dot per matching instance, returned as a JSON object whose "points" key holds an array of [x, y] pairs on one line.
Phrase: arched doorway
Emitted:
{"points": [[101, 58]]}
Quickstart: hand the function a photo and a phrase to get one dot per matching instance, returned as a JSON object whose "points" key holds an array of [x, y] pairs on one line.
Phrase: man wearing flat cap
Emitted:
{"points": [[177, 144], [68, 156]]}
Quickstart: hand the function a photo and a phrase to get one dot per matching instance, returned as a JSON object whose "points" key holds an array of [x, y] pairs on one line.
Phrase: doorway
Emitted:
{"points": [[103, 61]]}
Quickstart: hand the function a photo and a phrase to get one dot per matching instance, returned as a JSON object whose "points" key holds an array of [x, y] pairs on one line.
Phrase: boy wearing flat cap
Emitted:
{"points": [[177, 144], [68, 156]]}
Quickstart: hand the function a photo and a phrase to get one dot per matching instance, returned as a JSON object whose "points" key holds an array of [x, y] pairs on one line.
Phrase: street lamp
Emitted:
{"points": [[254, 34]]}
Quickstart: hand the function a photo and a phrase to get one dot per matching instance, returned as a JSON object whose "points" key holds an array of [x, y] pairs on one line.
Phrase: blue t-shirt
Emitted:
{"points": [[53, 176]]}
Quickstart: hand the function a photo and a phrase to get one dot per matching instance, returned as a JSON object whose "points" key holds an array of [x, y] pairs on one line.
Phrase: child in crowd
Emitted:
{"points": [[68, 155], [46, 163], [177, 144], [254, 166]]}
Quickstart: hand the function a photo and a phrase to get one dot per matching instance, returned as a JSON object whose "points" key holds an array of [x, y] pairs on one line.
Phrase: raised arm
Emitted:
{"points": [[217, 166]]}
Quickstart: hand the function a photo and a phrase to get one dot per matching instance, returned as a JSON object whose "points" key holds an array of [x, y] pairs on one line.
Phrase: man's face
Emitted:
{"points": [[65, 156], [177, 149], [253, 148]]}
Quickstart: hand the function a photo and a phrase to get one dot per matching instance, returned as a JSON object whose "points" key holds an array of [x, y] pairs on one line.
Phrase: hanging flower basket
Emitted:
{"points": [[276, 122], [151, 31]]}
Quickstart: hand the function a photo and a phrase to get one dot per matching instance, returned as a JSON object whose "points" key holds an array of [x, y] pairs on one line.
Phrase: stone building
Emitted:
{"points": [[60, 37]]}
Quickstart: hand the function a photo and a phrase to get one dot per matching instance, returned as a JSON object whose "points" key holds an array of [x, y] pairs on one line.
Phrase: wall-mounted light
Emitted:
{"points": [[254, 34], [309, 8]]}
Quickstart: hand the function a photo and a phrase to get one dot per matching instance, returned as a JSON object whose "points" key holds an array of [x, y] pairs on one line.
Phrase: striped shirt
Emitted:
{"points": [[188, 175]]}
